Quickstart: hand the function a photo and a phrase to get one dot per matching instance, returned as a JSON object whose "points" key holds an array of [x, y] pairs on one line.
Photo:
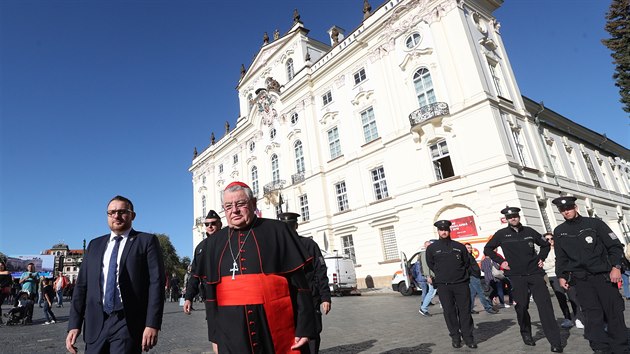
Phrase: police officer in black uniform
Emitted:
{"points": [[589, 257], [524, 268], [450, 262], [317, 277]]}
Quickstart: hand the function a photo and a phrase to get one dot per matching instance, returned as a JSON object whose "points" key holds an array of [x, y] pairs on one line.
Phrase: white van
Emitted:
{"points": [[342, 278]]}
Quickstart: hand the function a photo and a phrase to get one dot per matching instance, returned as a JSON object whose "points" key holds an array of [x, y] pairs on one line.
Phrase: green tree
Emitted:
{"points": [[171, 260], [618, 26], [185, 262], [3, 257]]}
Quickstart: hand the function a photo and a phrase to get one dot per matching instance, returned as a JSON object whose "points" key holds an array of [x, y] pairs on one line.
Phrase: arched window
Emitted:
{"points": [[299, 156], [255, 180], [275, 168], [424, 87], [290, 71]]}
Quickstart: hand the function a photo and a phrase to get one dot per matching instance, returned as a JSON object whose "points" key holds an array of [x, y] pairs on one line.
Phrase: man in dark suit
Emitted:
{"points": [[119, 293]]}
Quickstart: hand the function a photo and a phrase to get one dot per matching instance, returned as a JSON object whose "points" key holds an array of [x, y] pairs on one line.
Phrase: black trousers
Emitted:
{"points": [[315, 341], [522, 285], [455, 300], [602, 305], [564, 297]]}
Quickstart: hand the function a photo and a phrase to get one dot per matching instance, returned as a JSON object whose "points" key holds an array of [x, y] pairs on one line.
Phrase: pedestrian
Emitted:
{"points": [[475, 285], [428, 290], [562, 296], [258, 296], [523, 265], [589, 258], [118, 297], [60, 284], [625, 275], [30, 281], [5, 285], [49, 295], [493, 279], [195, 286], [450, 262], [317, 277]]}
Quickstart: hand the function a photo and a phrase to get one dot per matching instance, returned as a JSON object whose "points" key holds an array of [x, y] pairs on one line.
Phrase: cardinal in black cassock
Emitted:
{"points": [[259, 300]]}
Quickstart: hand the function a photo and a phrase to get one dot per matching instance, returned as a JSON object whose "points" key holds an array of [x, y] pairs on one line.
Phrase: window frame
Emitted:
{"points": [[359, 76], [334, 142], [412, 38], [341, 195], [290, 69], [425, 93], [299, 156], [327, 98], [379, 183], [368, 123]]}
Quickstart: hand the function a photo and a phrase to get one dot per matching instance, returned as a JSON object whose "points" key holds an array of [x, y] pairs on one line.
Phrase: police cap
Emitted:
{"points": [[443, 225], [510, 211], [288, 217], [212, 215], [564, 202]]}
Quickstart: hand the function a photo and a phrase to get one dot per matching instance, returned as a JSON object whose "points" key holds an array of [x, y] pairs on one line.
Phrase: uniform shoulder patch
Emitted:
{"points": [[612, 235]]}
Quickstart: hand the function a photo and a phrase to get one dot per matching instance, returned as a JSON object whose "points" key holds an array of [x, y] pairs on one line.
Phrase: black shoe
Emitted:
{"points": [[472, 345], [457, 343], [492, 311], [425, 313], [473, 312], [556, 349], [528, 340]]}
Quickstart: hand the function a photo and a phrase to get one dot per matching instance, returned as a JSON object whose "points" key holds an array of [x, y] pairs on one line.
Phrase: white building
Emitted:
{"points": [[413, 117]]}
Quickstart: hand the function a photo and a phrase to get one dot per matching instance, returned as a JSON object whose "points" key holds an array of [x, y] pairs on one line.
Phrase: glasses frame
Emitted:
{"points": [[112, 213]]}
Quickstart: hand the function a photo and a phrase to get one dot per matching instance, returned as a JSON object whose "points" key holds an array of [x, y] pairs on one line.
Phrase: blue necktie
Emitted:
{"points": [[111, 292]]}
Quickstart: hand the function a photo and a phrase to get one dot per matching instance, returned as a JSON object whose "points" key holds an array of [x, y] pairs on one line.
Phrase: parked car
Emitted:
{"points": [[402, 280], [342, 277]]}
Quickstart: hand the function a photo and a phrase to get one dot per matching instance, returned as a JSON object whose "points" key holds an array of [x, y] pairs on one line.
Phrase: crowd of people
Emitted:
{"points": [[582, 261], [31, 288], [265, 287]]}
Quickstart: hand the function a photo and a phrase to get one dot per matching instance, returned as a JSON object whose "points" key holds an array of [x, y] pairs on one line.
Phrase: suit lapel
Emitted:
{"points": [[130, 243]]}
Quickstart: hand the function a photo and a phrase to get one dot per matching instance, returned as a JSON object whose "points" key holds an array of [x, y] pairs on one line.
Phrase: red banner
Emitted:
{"points": [[463, 227]]}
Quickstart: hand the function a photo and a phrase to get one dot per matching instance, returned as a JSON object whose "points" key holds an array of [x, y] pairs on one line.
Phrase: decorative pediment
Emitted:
{"points": [[293, 133], [414, 56], [251, 159], [362, 96], [272, 145], [328, 116], [202, 189], [220, 182], [234, 174]]}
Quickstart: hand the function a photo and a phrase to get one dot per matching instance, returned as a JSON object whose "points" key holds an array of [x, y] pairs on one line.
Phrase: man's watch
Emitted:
{"points": [[618, 266]]}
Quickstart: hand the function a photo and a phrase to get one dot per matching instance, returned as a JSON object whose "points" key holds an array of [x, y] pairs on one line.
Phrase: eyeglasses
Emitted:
{"points": [[212, 223], [119, 212], [514, 216], [238, 205]]}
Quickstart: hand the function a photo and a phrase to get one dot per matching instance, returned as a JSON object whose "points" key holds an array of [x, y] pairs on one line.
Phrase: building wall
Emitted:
{"points": [[504, 149]]}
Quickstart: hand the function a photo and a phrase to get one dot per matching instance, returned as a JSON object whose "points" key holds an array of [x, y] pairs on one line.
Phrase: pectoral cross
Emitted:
{"points": [[234, 269]]}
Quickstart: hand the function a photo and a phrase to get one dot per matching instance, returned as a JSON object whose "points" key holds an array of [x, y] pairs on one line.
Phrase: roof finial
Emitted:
{"points": [[195, 154], [212, 138], [276, 34], [265, 38], [366, 9], [296, 16], [243, 71]]}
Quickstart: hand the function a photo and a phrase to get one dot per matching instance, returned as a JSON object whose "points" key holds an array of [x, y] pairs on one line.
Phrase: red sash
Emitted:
{"points": [[272, 291]]}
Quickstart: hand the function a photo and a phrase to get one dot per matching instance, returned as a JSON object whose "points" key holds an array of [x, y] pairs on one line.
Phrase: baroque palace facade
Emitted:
{"points": [[413, 117]]}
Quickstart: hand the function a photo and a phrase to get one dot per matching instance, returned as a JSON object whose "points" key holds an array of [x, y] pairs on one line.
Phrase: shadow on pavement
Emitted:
{"points": [[424, 348], [489, 329], [350, 348]]}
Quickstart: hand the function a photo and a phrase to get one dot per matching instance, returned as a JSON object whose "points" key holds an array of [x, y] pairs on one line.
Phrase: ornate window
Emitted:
{"points": [[342, 196], [334, 144], [294, 118], [591, 170], [299, 156], [424, 87], [272, 133], [359, 76], [290, 70], [327, 98], [254, 173], [369, 125], [275, 168], [441, 160], [252, 146], [413, 40], [389, 244], [379, 183], [347, 247], [304, 207]]}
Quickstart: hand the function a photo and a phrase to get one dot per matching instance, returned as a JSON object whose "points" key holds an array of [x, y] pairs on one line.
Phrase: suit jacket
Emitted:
{"points": [[141, 280]]}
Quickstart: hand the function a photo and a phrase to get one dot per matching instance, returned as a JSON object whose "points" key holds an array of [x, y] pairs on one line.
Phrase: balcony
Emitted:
{"points": [[428, 112], [274, 186], [297, 178]]}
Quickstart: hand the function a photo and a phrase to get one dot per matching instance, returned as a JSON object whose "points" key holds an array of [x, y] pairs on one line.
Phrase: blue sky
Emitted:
{"points": [[99, 98]]}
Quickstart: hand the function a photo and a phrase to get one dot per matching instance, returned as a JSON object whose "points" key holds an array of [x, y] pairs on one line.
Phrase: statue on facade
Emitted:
{"points": [[272, 85], [276, 34], [212, 138], [265, 38], [307, 57], [367, 9], [195, 154], [243, 71], [296, 16], [334, 35], [227, 127]]}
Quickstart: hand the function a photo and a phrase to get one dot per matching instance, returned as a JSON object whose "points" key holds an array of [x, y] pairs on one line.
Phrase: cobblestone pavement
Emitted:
{"points": [[380, 321]]}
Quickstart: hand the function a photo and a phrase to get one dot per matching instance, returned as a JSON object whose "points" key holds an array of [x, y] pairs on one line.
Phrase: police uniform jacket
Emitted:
{"points": [[449, 260], [586, 245], [518, 248], [316, 272]]}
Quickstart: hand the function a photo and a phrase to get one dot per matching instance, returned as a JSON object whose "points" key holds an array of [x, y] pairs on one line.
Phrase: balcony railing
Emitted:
{"points": [[427, 112], [297, 178], [273, 186]]}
